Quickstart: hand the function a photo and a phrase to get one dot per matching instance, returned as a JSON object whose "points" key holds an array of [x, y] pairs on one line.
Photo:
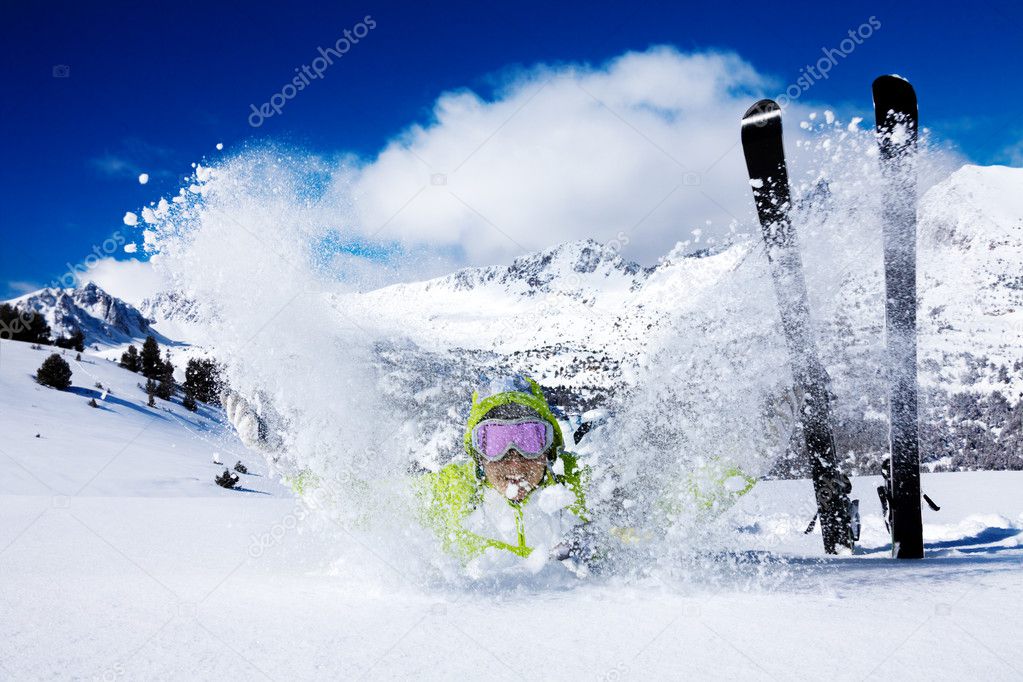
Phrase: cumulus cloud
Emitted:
{"points": [[130, 280], [646, 145]]}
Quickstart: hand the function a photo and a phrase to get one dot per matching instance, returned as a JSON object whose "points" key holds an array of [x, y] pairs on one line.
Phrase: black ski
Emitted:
{"points": [[895, 111], [765, 160]]}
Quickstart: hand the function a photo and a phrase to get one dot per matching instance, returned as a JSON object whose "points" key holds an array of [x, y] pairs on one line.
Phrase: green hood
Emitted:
{"points": [[534, 400]]}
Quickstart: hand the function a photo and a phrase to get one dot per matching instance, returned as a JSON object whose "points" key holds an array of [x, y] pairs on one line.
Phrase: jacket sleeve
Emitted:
{"points": [[446, 498]]}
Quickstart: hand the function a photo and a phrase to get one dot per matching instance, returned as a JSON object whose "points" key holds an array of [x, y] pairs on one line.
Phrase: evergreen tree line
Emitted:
{"points": [[31, 327], [202, 377]]}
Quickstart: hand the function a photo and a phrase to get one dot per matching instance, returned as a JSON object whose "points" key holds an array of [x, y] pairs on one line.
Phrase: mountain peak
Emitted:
{"points": [[104, 319], [564, 268]]}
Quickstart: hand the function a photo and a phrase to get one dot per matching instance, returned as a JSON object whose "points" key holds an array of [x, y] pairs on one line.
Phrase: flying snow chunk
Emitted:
{"points": [[555, 498], [756, 183], [130, 219], [143, 178], [805, 125], [854, 124], [829, 116], [131, 248], [220, 146]]}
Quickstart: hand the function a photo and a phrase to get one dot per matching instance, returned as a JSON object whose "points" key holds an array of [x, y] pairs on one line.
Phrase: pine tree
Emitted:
{"points": [[8, 315], [23, 326], [202, 378], [130, 359], [150, 358], [151, 392], [38, 331], [165, 386], [54, 372]]}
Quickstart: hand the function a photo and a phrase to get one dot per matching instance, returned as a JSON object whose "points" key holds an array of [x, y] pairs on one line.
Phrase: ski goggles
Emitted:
{"points": [[495, 438]]}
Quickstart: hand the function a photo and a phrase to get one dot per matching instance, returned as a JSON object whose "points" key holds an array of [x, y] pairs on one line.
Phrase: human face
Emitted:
{"points": [[514, 476]]}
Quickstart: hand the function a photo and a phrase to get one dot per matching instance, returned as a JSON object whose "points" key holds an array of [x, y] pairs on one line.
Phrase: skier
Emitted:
{"points": [[520, 493]]}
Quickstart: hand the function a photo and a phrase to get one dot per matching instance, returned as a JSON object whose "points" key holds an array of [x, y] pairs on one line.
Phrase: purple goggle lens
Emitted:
{"points": [[494, 438]]}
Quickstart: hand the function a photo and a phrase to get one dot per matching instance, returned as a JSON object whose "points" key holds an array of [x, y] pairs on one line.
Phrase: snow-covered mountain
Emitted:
{"points": [[574, 315], [106, 320], [582, 320], [972, 281], [970, 323]]}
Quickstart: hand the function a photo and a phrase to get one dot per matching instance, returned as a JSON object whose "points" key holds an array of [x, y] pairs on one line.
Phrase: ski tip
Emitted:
{"points": [[892, 79], [894, 90], [893, 95], [761, 112]]}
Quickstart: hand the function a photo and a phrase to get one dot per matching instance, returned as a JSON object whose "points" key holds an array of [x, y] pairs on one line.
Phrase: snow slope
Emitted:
{"points": [[55, 442], [242, 586], [120, 559]]}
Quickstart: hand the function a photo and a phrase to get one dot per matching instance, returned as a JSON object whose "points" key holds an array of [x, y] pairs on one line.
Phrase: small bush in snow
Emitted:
{"points": [[226, 479], [241, 468], [54, 372], [93, 403], [188, 402]]}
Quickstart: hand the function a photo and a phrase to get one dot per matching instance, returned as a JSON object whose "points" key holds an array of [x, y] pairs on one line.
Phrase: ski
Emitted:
{"points": [[765, 160], [895, 112]]}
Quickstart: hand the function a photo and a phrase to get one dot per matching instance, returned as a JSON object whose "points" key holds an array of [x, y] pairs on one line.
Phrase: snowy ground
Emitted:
{"points": [[121, 560]]}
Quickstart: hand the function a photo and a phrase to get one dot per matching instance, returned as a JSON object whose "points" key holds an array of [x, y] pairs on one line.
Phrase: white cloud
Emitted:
{"points": [[17, 288], [115, 166], [1012, 154], [130, 280], [646, 144]]}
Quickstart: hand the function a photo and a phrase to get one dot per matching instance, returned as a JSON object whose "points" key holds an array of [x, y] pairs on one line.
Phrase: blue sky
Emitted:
{"points": [[154, 86]]}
